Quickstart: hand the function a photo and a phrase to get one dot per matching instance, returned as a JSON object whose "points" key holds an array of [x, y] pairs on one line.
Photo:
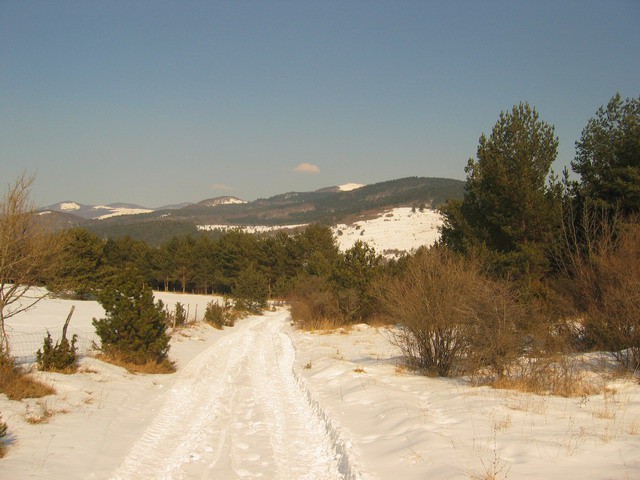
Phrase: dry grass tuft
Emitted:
{"points": [[17, 384], [549, 376], [166, 366]]}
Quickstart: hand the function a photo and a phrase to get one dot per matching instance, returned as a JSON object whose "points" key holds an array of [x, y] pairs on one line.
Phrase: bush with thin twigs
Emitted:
{"points": [[433, 309], [497, 339], [313, 304], [61, 357], [550, 374], [601, 262]]}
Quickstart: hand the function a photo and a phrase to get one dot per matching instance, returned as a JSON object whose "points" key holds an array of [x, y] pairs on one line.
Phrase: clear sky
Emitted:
{"points": [[158, 102]]}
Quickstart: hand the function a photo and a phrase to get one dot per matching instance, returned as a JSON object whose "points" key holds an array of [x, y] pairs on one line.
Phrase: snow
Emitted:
{"points": [[118, 211], [393, 231], [347, 187], [68, 206], [262, 400], [251, 228], [214, 202]]}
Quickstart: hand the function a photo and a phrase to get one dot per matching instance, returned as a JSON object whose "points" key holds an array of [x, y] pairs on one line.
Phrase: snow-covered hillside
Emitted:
{"points": [[398, 230], [97, 212], [347, 187], [118, 211], [226, 200], [393, 232]]}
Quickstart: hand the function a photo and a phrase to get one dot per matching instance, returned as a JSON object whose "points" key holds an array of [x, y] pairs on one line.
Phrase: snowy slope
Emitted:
{"points": [[394, 231]]}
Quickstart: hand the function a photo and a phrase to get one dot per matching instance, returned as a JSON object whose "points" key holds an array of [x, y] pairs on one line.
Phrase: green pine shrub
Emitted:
{"points": [[61, 357], [134, 329], [219, 315], [251, 290], [178, 317]]}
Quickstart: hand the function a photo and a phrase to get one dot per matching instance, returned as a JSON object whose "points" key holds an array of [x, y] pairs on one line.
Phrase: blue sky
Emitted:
{"points": [[157, 102]]}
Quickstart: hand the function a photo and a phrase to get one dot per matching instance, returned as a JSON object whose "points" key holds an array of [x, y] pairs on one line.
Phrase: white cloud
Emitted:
{"points": [[221, 186], [307, 168]]}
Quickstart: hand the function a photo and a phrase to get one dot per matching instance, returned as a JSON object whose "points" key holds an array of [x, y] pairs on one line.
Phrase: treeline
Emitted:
{"points": [[194, 263]]}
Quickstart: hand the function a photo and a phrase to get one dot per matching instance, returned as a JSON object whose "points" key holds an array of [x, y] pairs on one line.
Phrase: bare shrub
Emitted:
{"points": [[550, 374], [313, 305], [613, 310], [27, 252], [602, 262], [433, 308], [496, 341]]}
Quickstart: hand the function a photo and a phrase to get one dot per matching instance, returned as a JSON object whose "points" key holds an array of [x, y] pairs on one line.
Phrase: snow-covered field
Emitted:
{"points": [[394, 231], [261, 400]]}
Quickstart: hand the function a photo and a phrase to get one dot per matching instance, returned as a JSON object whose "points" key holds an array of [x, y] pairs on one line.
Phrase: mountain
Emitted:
{"points": [[329, 206], [97, 212], [217, 201]]}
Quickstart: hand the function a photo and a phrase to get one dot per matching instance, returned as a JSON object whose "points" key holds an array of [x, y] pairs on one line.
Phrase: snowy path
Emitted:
{"points": [[238, 410]]}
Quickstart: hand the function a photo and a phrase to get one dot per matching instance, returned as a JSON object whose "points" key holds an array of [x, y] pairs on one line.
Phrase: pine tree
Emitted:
{"points": [[608, 157], [510, 207], [134, 326], [251, 290], [351, 280]]}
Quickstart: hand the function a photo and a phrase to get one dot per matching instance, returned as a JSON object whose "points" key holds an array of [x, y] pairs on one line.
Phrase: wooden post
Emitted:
{"points": [[66, 323]]}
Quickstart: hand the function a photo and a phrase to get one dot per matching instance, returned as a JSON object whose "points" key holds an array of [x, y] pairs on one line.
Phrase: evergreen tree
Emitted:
{"points": [[134, 326], [251, 290], [351, 281], [80, 268], [608, 156], [510, 207]]}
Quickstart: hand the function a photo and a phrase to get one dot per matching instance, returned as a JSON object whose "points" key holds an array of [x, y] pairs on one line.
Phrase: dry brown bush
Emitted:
{"points": [[433, 308], [18, 385], [548, 375], [601, 263], [313, 305], [498, 337]]}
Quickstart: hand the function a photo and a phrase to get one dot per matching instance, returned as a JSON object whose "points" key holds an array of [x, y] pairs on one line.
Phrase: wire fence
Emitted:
{"points": [[24, 346]]}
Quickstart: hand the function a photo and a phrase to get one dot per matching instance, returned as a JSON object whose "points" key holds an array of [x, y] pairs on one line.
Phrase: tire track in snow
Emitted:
{"points": [[195, 405], [196, 423], [305, 442]]}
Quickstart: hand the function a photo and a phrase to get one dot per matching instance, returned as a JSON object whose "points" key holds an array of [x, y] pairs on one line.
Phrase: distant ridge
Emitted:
{"points": [[329, 206], [93, 212], [217, 201]]}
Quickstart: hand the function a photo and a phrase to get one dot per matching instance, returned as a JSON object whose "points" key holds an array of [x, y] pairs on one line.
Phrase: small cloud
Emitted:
{"points": [[222, 186], [307, 168]]}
